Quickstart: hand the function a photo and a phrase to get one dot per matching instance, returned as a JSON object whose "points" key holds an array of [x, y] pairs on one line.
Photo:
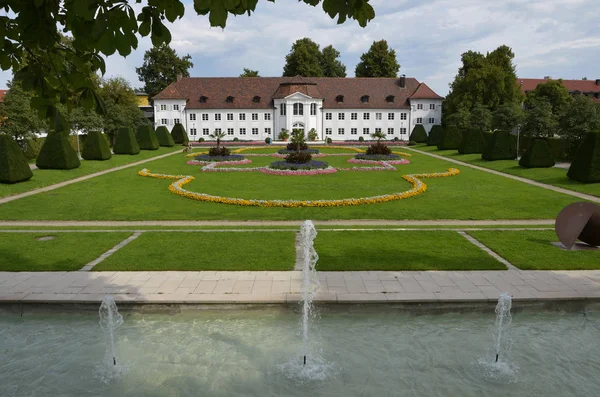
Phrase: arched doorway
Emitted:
{"points": [[298, 126]]}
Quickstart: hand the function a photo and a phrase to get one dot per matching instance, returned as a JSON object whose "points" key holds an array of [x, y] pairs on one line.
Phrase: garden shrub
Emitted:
{"points": [[361, 139], [312, 164], [586, 164], [164, 137], [435, 135], [412, 143], [179, 135], [208, 157], [31, 147], [501, 146], [377, 157], [329, 140], [558, 147], [472, 142], [450, 138], [57, 153], [199, 139], [268, 140], [418, 134], [13, 164], [298, 157], [294, 146], [396, 139], [220, 151], [96, 147], [537, 155], [125, 142], [379, 148], [146, 138], [236, 139]]}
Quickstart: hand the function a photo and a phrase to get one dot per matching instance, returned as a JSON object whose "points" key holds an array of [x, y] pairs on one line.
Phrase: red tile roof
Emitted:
{"points": [[244, 90], [2, 93], [583, 86]]}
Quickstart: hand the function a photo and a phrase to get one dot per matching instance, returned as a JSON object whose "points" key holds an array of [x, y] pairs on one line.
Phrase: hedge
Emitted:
{"points": [[501, 146], [472, 142], [435, 135], [179, 135], [13, 164], [164, 137], [558, 147], [537, 155], [31, 146], [146, 138], [418, 134], [450, 139], [586, 165], [96, 147], [125, 142], [57, 153]]}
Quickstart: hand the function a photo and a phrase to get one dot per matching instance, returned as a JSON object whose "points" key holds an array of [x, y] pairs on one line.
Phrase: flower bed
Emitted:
{"points": [[230, 143], [285, 151], [284, 165], [377, 157], [198, 162], [316, 171], [365, 142], [359, 161], [209, 159]]}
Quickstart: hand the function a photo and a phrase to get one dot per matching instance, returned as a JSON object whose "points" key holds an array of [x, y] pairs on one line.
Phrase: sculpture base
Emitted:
{"points": [[577, 247]]}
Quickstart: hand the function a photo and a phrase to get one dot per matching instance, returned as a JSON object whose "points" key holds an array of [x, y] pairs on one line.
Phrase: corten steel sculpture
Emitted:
{"points": [[579, 221]]}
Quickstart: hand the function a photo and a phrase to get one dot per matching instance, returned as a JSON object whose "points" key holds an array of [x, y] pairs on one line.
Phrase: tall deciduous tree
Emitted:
{"points": [[249, 73], [379, 61], [330, 64], [555, 92], [161, 67], [17, 118], [507, 117], [539, 121], [304, 59], [480, 117], [581, 117]]}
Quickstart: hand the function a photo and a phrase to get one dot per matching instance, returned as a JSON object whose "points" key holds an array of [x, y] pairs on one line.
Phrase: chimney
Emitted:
{"points": [[402, 81], [179, 76], [597, 81], [547, 77]]}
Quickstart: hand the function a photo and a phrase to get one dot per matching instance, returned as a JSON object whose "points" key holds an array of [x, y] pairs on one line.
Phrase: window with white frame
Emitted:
{"points": [[204, 116], [353, 131], [163, 107], [378, 129], [419, 106], [340, 131], [419, 120], [205, 131], [328, 116], [341, 116], [177, 121], [192, 116], [298, 109], [192, 131], [353, 116], [366, 116], [268, 130], [391, 116], [175, 107], [431, 120], [217, 116], [282, 109], [328, 131], [267, 116], [377, 116], [391, 130], [366, 131], [402, 130], [254, 131], [217, 130], [242, 131], [313, 109], [254, 116], [242, 116], [229, 131], [432, 106], [229, 116], [402, 116], [164, 121]]}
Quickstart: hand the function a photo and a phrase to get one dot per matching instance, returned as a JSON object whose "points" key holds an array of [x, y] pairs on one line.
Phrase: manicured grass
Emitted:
{"points": [[124, 195], [205, 251], [403, 250], [551, 176], [68, 251], [532, 250], [43, 178]]}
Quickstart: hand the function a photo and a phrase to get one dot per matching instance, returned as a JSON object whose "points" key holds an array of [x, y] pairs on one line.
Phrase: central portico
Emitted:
{"points": [[298, 105]]}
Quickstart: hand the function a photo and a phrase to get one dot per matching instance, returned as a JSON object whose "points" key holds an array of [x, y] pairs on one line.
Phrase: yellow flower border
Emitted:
{"points": [[418, 188]]}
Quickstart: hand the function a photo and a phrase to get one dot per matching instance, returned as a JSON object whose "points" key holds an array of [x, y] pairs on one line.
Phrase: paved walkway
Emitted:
{"points": [[280, 287], [517, 178]]}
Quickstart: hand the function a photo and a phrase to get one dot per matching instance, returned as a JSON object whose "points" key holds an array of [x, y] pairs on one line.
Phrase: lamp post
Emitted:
{"points": [[518, 139]]}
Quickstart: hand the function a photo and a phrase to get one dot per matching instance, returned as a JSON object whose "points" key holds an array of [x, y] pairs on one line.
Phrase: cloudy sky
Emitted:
{"points": [[558, 38]]}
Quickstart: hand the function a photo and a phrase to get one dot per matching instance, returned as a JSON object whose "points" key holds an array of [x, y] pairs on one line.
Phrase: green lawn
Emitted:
{"points": [[205, 251], [532, 250], [123, 195], [552, 176], [43, 178], [69, 251], [401, 250]]}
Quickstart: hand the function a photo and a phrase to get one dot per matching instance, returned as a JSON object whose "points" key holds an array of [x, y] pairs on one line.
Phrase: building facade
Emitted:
{"points": [[256, 108]]}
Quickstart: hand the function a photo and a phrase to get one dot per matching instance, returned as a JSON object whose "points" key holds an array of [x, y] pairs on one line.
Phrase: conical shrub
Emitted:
{"points": [[96, 147], [418, 134], [13, 164], [450, 139], [179, 135], [537, 155], [146, 138], [472, 142], [501, 146], [57, 153], [435, 135], [586, 164], [125, 142], [164, 137]]}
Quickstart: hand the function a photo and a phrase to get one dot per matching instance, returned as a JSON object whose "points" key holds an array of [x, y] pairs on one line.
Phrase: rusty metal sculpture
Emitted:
{"points": [[579, 221]]}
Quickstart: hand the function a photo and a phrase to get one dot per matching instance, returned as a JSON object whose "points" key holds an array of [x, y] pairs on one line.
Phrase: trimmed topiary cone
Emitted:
{"points": [[472, 142], [57, 153], [179, 135], [125, 142], [146, 138], [435, 135], [501, 146], [586, 164], [13, 164], [96, 147], [164, 137], [418, 134], [450, 139], [537, 155]]}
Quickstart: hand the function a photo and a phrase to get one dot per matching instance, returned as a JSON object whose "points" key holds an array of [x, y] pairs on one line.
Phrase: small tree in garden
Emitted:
{"points": [[312, 134], [96, 147], [57, 153], [298, 143], [219, 151], [218, 135], [284, 134], [13, 164], [379, 135], [378, 147]]}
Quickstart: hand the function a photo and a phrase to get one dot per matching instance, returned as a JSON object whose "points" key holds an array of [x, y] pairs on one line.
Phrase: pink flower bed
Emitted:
{"points": [[270, 171], [229, 143], [378, 162], [364, 143], [218, 163]]}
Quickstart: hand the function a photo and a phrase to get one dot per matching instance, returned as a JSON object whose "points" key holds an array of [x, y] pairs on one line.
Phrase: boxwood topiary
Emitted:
{"points": [[125, 142], [57, 153], [179, 135], [472, 142], [146, 138], [435, 135], [96, 147], [379, 148], [586, 164], [418, 134], [501, 146], [412, 143], [537, 155], [450, 138], [13, 164], [165, 138], [361, 139]]}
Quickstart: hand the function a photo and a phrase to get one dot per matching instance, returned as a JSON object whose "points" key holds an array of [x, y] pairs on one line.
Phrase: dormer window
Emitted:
{"points": [[364, 99], [256, 99], [203, 99], [339, 98], [389, 98], [229, 99]]}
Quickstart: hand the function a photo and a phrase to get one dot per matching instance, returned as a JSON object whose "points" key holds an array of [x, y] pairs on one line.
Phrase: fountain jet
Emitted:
{"points": [[310, 280], [503, 320], [110, 320]]}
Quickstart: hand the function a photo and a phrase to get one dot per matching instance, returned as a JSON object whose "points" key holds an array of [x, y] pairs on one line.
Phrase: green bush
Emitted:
{"points": [[96, 147], [472, 142], [179, 135], [199, 139], [435, 135], [268, 140], [165, 138], [236, 139], [537, 155], [13, 164], [31, 147], [57, 153], [146, 138], [586, 165], [501, 146], [418, 134], [559, 148], [361, 139], [125, 142], [412, 143], [329, 140], [379, 148], [220, 151], [450, 139], [299, 157], [396, 139]]}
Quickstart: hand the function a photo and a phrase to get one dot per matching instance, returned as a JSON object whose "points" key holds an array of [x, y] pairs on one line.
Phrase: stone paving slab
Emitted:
{"points": [[282, 287]]}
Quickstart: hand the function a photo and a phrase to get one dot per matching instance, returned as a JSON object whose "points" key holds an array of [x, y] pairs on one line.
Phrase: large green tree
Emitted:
{"points": [[161, 67], [379, 61], [304, 59], [555, 93], [480, 118], [507, 117], [581, 117], [100, 28], [17, 118], [539, 121], [330, 64], [249, 73]]}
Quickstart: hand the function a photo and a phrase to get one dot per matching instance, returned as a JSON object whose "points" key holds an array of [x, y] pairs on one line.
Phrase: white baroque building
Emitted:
{"points": [[254, 108]]}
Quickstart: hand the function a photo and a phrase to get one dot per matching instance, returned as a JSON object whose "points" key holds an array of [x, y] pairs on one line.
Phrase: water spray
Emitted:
{"points": [[503, 320], [110, 320]]}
